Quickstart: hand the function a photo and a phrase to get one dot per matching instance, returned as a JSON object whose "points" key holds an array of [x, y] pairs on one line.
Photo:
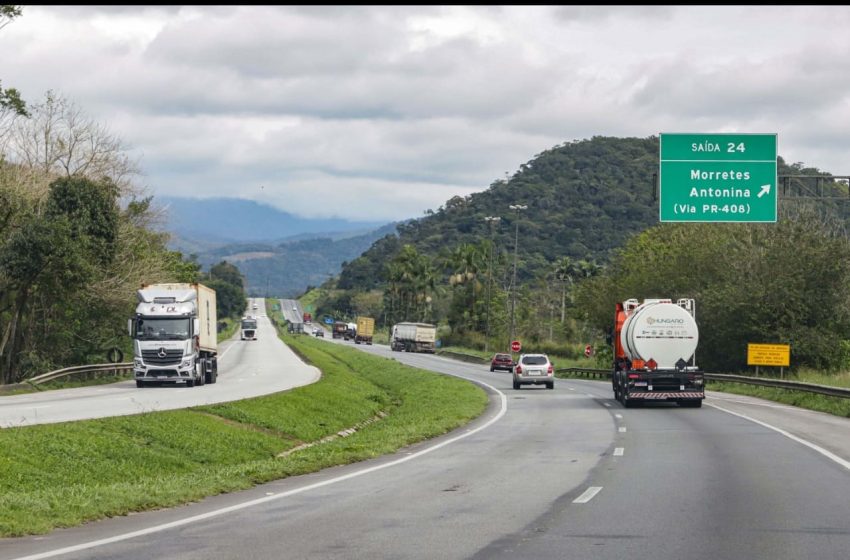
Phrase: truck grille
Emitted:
{"points": [[162, 357]]}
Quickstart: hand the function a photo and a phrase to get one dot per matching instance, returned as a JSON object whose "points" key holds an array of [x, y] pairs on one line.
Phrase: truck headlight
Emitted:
{"points": [[138, 363], [186, 363]]}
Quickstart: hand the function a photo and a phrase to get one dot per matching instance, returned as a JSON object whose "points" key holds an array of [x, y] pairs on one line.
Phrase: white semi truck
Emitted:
{"points": [[249, 328], [174, 333], [414, 337]]}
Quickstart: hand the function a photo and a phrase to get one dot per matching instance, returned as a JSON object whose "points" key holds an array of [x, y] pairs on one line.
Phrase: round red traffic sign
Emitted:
{"points": [[516, 346], [588, 350]]}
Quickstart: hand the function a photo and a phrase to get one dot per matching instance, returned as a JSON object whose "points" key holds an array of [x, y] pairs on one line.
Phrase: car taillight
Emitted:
{"points": [[519, 369], [634, 376], [549, 371]]}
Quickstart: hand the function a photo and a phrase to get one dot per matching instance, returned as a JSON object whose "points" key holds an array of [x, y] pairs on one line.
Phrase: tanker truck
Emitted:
{"points": [[174, 332], [654, 353]]}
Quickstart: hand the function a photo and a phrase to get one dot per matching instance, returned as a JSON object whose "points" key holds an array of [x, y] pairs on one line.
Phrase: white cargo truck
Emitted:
{"points": [[175, 336], [249, 328], [414, 337]]}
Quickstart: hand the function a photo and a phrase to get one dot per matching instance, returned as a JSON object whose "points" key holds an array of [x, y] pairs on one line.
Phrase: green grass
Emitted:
{"points": [[61, 475], [812, 401], [230, 328]]}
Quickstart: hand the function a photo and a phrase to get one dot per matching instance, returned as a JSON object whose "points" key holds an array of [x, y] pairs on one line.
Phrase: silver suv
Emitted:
{"points": [[534, 369]]}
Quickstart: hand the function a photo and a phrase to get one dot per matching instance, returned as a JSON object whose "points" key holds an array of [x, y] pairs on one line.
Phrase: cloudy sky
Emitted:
{"points": [[380, 113]]}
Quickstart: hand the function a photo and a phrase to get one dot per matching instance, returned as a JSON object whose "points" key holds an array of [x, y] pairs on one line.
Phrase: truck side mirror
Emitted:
{"points": [[130, 327], [196, 326]]}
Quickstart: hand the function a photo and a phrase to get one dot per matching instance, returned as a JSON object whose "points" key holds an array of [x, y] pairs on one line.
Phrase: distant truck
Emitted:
{"points": [[339, 329], [249, 328], [174, 335], [365, 330], [414, 337], [307, 317], [350, 331], [654, 345]]}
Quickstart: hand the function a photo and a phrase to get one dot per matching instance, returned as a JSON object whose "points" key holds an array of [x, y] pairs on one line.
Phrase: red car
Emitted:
{"points": [[502, 361]]}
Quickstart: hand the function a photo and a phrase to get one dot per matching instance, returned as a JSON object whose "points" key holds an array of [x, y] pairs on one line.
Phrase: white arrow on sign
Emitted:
{"points": [[765, 189]]}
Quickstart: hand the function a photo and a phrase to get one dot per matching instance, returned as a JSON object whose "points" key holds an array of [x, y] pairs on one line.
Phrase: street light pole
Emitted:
{"points": [[516, 208], [492, 221]]}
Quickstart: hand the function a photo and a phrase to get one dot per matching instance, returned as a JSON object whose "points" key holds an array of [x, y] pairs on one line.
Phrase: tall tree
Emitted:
{"points": [[54, 253]]}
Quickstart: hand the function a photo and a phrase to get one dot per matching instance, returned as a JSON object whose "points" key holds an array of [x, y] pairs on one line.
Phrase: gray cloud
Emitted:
{"points": [[371, 113]]}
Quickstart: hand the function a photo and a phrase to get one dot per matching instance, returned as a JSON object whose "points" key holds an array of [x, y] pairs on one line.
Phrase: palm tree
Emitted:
{"points": [[465, 263], [564, 270]]}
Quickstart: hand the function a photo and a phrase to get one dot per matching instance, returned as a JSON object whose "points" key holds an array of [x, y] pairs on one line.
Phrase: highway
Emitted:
{"points": [[246, 369], [558, 474]]}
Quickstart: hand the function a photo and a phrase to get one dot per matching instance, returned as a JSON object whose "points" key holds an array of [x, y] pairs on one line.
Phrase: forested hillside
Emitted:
{"points": [[590, 236], [584, 199], [287, 269]]}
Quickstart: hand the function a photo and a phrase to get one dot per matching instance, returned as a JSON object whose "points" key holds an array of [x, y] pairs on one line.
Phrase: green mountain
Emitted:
{"points": [[287, 269], [584, 200]]}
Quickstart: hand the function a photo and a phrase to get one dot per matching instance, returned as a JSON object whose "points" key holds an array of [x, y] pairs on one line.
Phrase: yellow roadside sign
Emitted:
{"points": [[768, 355]]}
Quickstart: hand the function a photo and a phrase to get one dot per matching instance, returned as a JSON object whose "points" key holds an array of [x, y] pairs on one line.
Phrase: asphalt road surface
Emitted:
{"points": [[563, 474], [248, 368]]}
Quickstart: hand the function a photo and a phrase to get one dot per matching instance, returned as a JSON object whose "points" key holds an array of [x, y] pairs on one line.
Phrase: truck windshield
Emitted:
{"points": [[249, 324], [162, 329]]}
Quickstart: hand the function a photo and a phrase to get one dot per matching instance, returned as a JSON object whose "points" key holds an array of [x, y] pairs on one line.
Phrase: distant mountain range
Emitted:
{"points": [[279, 253], [216, 221]]}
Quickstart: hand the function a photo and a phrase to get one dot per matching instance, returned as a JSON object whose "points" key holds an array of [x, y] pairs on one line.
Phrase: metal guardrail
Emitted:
{"points": [[745, 379], [79, 370], [781, 384], [589, 372]]}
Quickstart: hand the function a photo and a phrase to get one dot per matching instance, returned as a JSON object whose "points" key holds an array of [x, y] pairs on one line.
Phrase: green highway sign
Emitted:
{"points": [[717, 178]]}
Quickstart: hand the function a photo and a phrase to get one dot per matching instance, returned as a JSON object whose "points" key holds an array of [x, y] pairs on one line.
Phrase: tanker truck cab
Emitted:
{"points": [[171, 332], [654, 353]]}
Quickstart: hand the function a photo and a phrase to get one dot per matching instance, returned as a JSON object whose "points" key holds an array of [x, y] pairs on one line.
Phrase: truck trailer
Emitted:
{"points": [[654, 353], [365, 330], [175, 337], [414, 337]]}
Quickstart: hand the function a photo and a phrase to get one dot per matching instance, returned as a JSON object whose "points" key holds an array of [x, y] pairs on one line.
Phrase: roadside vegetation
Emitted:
{"points": [[61, 475]]}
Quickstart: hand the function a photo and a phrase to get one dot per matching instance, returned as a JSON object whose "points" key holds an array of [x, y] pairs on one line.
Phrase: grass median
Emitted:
{"points": [[61, 475]]}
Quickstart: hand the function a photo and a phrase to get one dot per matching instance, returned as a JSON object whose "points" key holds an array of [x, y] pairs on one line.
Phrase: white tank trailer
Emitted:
{"points": [[654, 352]]}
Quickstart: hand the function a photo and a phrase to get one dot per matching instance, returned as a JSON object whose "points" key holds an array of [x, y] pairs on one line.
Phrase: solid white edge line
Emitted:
{"points": [[622, 429], [588, 495], [210, 514], [618, 451], [828, 454]]}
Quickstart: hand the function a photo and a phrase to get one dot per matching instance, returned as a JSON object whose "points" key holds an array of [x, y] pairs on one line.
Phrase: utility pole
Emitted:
{"points": [[492, 221], [516, 208]]}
